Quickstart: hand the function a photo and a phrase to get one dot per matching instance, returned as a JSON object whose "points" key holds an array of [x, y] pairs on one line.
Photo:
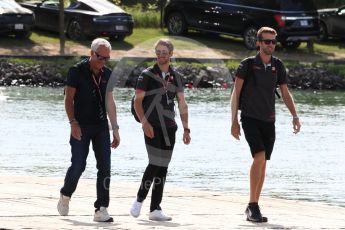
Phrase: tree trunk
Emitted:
{"points": [[161, 6], [62, 27]]}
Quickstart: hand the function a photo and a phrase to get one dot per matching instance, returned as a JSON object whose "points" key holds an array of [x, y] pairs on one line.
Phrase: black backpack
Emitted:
{"points": [[133, 110], [132, 103]]}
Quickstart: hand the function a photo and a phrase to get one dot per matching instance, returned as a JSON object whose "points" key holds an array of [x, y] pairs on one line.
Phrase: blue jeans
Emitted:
{"points": [[100, 138]]}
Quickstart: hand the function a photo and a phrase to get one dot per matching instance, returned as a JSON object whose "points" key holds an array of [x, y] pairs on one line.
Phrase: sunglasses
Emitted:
{"points": [[269, 41], [161, 52], [101, 58]]}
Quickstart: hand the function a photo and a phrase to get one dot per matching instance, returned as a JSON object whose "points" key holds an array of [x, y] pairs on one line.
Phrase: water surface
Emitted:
{"points": [[308, 166]]}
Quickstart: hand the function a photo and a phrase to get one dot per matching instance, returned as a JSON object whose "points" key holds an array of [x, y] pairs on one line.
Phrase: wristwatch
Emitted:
{"points": [[116, 126]]}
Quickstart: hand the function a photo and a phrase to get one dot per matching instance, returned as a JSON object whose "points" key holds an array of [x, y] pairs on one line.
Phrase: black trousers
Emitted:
{"points": [[156, 175], [159, 151]]}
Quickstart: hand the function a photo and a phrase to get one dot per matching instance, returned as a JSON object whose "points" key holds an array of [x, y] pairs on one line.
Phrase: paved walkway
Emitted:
{"points": [[30, 203]]}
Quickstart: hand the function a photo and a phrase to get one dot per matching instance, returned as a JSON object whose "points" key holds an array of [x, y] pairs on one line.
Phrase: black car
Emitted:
{"points": [[15, 20], [83, 18], [332, 23], [295, 21]]}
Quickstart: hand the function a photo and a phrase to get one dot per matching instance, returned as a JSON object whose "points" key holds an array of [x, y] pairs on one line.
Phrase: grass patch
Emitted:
{"points": [[144, 38], [144, 19], [333, 46], [141, 35]]}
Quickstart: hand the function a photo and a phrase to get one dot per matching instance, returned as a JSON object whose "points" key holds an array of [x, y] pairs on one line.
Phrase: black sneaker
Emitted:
{"points": [[254, 214]]}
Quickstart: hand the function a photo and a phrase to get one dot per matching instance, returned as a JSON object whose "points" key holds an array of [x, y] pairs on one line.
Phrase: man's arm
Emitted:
{"points": [[111, 109], [288, 100], [183, 109], [69, 108], [235, 97]]}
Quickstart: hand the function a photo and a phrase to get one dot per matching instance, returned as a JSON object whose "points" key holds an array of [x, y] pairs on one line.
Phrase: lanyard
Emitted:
{"points": [[98, 84], [166, 77]]}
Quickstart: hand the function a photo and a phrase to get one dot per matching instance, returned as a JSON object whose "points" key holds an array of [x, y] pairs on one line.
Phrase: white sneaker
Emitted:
{"points": [[158, 215], [102, 215], [63, 205], [136, 208]]}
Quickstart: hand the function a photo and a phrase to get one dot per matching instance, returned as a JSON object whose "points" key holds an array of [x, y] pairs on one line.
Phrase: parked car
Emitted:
{"points": [[332, 23], [83, 18], [294, 20], [15, 19]]}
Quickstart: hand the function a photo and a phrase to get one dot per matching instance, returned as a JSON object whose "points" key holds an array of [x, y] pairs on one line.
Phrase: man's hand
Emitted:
{"points": [[186, 137], [236, 130], [148, 130], [76, 131], [296, 125], [116, 139]]}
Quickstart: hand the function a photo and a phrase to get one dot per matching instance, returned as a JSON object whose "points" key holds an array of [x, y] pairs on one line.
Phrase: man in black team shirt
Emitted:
{"points": [[254, 93], [154, 104], [88, 100]]}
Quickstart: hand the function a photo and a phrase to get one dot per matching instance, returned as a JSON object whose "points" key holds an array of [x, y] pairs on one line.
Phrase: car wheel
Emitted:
{"points": [[291, 44], [75, 31], [23, 34], [249, 37], [176, 24], [117, 38], [323, 32]]}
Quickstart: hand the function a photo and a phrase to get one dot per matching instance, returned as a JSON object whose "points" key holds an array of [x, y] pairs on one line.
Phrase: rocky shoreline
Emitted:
{"points": [[12, 74], [301, 77]]}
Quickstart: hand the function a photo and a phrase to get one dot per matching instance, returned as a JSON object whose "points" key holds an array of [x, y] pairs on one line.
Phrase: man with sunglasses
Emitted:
{"points": [[156, 89], [254, 93], [88, 101]]}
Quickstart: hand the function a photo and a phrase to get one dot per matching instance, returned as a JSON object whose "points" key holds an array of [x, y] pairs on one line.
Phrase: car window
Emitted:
{"points": [[296, 5], [72, 5], [53, 4], [221, 1], [237, 2], [290, 5], [82, 6], [266, 4]]}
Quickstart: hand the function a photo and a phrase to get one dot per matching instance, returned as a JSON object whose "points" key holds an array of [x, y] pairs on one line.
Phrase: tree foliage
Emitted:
{"points": [[146, 4]]}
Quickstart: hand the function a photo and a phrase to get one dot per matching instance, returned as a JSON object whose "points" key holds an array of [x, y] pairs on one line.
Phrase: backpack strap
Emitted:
{"points": [[276, 63], [250, 72]]}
